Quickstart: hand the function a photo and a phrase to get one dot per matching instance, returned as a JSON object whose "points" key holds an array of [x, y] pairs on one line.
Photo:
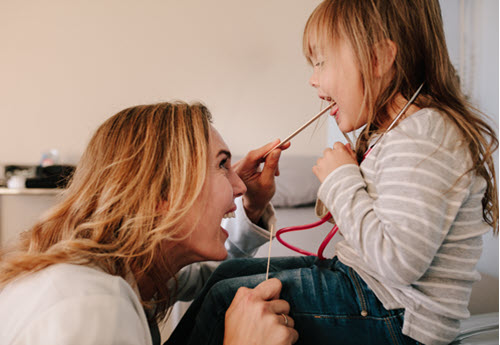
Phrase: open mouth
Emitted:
{"points": [[334, 111], [230, 215]]}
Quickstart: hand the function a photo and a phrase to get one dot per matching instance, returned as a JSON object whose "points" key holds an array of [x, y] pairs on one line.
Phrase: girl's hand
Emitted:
{"points": [[332, 159], [260, 183], [255, 317]]}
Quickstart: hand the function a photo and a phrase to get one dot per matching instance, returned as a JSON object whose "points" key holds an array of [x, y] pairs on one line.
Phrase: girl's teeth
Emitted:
{"points": [[229, 215]]}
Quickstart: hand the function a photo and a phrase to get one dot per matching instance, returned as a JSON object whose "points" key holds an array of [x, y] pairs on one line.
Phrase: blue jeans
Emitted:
{"points": [[329, 303]]}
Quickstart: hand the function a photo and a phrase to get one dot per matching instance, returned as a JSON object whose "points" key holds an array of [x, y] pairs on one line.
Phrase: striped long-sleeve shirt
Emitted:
{"points": [[411, 217]]}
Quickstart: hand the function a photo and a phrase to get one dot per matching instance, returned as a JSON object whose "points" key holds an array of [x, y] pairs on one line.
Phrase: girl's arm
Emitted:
{"points": [[396, 213]]}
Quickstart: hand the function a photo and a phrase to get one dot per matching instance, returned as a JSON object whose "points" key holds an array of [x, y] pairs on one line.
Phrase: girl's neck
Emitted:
{"points": [[395, 107]]}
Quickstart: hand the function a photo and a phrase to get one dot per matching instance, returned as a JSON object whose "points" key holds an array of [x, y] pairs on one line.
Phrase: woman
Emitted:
{"points": [[146, 200]]}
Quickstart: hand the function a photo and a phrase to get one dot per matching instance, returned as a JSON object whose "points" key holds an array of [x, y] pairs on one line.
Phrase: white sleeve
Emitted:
{"points": [[246, 237], [244, 240], [87, 320]]}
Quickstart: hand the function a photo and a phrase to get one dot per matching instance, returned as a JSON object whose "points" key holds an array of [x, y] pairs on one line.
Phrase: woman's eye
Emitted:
{"points": [[224, 164]]}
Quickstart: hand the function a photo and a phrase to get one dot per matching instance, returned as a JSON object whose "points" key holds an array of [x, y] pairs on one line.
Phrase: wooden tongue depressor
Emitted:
{"points": [[314, 118], [269, 254]]}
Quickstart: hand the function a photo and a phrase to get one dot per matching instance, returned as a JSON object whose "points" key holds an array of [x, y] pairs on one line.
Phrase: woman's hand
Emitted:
{"points": [[260, 183], [332, 159], [255, 317]]}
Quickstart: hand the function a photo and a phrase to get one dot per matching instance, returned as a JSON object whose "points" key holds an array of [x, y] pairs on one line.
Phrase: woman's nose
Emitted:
{"points": [[239, 187]]}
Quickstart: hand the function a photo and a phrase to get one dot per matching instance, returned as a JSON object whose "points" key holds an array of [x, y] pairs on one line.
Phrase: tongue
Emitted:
{"points": [[334, 110]]}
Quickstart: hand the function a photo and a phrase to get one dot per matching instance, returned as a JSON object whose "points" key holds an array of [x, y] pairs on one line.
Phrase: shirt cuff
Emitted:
{"points": [[246, 237]]}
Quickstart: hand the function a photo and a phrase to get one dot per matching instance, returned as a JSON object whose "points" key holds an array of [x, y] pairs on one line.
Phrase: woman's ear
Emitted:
{"points": [[162, 206], [385, 53]]}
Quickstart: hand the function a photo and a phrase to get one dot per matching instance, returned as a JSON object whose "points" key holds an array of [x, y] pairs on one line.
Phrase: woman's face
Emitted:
{"points": [[222, 186], [337, 78]]}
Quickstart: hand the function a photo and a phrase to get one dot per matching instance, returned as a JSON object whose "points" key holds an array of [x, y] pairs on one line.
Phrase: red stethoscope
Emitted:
{"points": [[323, 220], [328, 216]]}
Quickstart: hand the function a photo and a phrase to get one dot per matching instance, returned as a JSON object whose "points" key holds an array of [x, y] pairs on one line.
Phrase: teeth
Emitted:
{"points": [[229, 215]]}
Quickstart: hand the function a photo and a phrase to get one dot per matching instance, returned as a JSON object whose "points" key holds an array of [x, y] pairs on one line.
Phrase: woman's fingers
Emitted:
{"points": [[260, 183], [269, 289], [286, 320], [260, 315]]}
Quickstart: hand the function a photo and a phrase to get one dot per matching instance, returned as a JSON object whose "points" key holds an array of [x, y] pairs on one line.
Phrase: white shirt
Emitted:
{"points": [[73, 304]]}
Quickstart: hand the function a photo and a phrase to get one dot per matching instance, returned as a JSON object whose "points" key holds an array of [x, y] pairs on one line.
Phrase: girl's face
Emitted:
{"points": [[337, 78], [222, 186]]}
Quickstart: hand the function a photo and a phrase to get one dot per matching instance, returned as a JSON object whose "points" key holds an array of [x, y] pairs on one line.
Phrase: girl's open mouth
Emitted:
{"points": [[334, 111]]}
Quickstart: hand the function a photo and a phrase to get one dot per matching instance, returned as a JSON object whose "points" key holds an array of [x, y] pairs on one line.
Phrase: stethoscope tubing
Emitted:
{"points": [[328, 216], [327, 239]]}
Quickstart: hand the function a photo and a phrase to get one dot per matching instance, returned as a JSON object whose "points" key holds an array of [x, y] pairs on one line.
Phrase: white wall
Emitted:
{"points": [[478, 63], [66, 66]]}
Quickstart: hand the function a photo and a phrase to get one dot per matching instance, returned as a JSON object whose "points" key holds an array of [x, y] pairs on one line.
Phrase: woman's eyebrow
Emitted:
{"points": [[224, 152]]}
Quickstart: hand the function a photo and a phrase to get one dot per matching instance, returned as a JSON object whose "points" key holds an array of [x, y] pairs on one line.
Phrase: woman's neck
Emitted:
{"points": [[172, 261]]}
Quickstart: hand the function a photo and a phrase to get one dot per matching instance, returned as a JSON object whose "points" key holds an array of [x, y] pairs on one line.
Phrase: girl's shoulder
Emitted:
{"points": [[431, 125]]}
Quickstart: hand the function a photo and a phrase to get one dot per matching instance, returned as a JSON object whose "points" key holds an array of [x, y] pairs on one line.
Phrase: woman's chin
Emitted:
{"points": [[219, 256]]}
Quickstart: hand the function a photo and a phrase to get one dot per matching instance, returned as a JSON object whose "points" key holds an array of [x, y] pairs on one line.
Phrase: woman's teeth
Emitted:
{"points": [[230, 215]]}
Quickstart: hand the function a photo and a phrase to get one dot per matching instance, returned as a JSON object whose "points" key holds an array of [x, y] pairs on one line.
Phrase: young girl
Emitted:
{"points": [[147, 199], [412, 202]]}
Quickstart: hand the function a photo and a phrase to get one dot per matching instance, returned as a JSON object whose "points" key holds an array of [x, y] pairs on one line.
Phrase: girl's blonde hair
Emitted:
{"points": [[109, 215], [416, 27]]}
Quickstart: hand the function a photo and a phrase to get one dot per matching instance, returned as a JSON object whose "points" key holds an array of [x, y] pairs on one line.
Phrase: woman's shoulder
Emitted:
{"points": [[71, 279], [68, 297], [60, 282]]}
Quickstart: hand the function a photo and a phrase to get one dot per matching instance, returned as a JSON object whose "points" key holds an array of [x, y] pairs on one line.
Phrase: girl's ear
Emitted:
{"points": [[385, 53]]}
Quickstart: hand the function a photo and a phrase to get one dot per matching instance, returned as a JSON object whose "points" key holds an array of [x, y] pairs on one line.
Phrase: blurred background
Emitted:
{"points": [[66, 66]]}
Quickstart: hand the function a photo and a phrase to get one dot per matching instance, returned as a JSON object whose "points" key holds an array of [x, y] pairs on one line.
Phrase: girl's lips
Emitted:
{"points": [[334, 110]]}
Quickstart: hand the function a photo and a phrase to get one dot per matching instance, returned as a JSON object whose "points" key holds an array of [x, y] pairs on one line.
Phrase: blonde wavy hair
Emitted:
{"points": [[416, 27], [109, 215]]}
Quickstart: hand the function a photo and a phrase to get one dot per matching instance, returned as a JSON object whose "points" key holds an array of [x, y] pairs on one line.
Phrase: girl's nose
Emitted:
{"points": [[313, 81], [239, 187]]}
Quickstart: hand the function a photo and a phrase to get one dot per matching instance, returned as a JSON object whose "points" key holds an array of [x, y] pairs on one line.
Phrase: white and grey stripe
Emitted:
{"points": [[411, 216]]}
